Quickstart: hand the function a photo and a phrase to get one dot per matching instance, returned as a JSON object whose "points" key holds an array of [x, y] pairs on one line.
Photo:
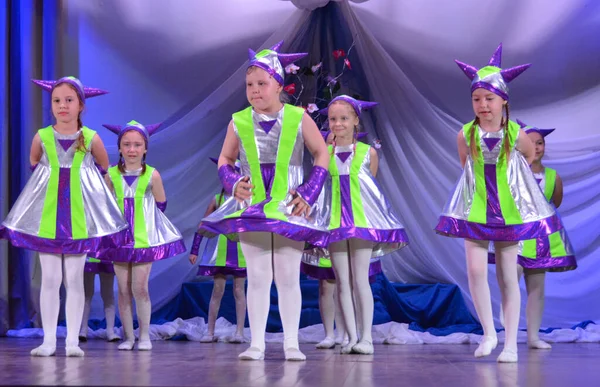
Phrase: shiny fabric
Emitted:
{"points": [[312, 228], [311, 188], [539, 218], [105, 224], [384, 228], [99, 267], [310, 267], [544, 258], [164, 238]]}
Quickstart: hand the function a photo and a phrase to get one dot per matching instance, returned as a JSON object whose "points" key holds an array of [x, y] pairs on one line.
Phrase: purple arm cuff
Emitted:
{"points": [[102, 170], [310, 189], [229, 178], [162, 205], [33, 167], [196, 244]]}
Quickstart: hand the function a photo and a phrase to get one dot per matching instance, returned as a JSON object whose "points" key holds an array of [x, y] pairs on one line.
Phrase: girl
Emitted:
{"points": [[496, 198], [220, 259], [329, 305], [106, 272], [141, 197], [551, 253], [271, 210], [65, 210], [362, 224]]}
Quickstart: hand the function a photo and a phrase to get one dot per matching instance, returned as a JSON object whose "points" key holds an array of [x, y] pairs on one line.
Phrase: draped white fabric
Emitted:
{"points": [[406, 50]]}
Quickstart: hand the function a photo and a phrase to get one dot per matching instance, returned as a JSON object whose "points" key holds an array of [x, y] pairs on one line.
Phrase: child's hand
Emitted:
{"points": [[301, 208], [243, 189], [193, 258]]}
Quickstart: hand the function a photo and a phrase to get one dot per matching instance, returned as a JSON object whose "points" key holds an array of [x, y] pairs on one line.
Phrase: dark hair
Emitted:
{"points": [[121, 164]]}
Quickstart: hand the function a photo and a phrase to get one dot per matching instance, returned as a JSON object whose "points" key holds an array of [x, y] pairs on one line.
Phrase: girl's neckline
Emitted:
{"points": [[133, 170], [65, 134], [274, 114]]}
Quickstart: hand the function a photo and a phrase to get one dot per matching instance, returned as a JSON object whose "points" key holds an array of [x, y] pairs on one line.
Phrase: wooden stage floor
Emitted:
{"points": [[184, 363]]}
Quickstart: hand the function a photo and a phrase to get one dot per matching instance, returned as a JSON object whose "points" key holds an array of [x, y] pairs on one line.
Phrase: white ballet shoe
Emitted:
{"points": [[208, 339], [73, 351], [326, 343], [508, 356], [144, 345], [363, 347], [294, 354], [237, 339], [111, 338], [539, 344], [252, 353], [486, 346], [347, 349], [126, 345], [44, 350]]}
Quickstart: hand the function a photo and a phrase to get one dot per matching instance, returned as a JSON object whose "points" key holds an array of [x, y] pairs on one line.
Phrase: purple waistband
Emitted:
{"points": [[141, 255], [254, 224], [211, 271], [65, 246], [459, 228], [327, 273]]}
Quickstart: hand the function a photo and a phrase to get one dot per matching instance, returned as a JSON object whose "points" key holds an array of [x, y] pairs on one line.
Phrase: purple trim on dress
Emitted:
{"points": [[316, 272], [254, 224], [231, 259], [327, 273], [229, 178], [347, 217], [100, 169], [141, 255], [493, 212], [65, 144], [542, 246], [393, 237], [549, 263], [459, 228], [267, 125], [491, 142], [65, 246], [128, 207], [130, 179], [99, 267], [211, 271], [267, 171], [343, 156], [63, 207], [311, 188], [33, 167]]}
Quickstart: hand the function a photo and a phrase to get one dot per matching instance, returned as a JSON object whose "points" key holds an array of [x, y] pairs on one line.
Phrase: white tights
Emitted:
{"points": [[273, 257], [132, 280], [55, 269], [351, 261], [107, 281], [506, 273]]}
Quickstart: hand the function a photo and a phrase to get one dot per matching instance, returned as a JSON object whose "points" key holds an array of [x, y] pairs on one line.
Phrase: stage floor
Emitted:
{"points": [[185, 363]]}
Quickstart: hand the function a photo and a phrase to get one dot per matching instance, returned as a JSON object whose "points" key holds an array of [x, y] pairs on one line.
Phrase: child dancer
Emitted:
{"points": [[65, 210], [106, 272], [362, 224], [220, 259], [271, 209], [141, 197], [551, 253], [496, 198]]}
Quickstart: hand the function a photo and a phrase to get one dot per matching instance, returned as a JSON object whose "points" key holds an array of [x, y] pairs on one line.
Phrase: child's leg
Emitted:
{"points": [[506, 272], [73, 276], [123, 271], [257, 248], [239, 293], [139, 286], [327, 309], [360, 259], [535, 280], [341, 265], [107, 281], [49, 301], [88, 287], [341, 335], [287, 256], [214, 306], [477, 271]]}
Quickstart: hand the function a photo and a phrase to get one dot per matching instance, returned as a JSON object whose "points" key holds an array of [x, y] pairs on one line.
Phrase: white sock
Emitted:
{"points": [[88, 287], [508, 281], [360, 259], [123, 273], [107, 292], [239, 294], [49, 301], [327, 306], [341, 265], [215, 302], [73, 279], [140, 276]]}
